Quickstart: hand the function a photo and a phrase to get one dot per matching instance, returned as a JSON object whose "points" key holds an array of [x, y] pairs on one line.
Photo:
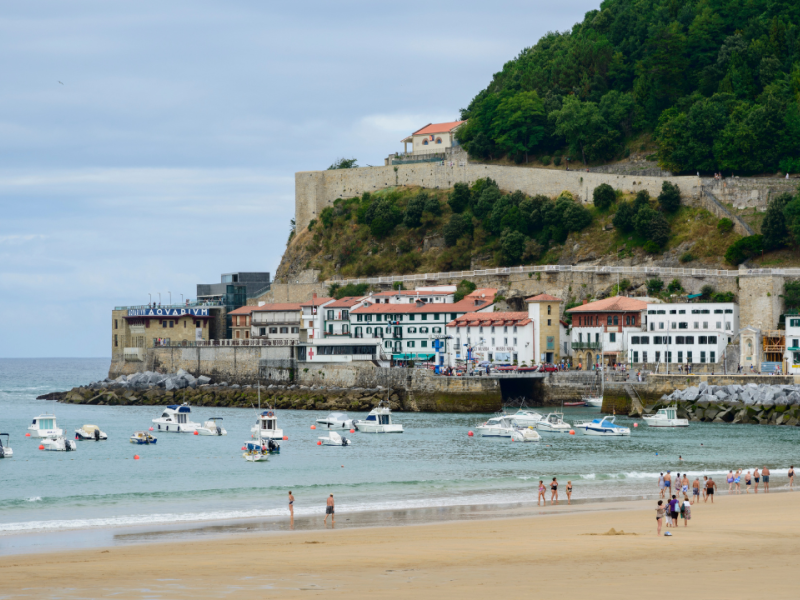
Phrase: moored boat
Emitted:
{"points": [[175, 419], [666, 417], [526, 418], [143, 438], [266, 446], [525, 434], [211, 427], [554, 423], [334, 439], [604, 427], [336, 420], [45, 426], [499, 426], [59, 444], [266, 427], [379, 420], [5, 450], [90, 433]]}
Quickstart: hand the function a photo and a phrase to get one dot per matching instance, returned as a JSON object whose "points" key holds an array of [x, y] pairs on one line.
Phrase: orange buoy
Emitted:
{"points": [[513, 440], [196, 433], [635, 424], [470, 434], [151, 429], [135, 457], [352, 431], [572, 432], [285, 438], [41, 446], [244, 448], [313, 427], [27, 435], [319, 443]]}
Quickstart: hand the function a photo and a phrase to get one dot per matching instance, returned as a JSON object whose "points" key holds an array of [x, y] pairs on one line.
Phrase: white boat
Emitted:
{"points": [[526, 434], [211, 427], [666, 417], [255, 456], [604, 427], [143, 438], [45, 426], [594, 401], [336, 420], [526, 418], [379, 420], [90, 433], [334, 439], [553, 423], [5, 450], [268, 446], [175, 419], [59, 444], [266, 427], [499, 426]]}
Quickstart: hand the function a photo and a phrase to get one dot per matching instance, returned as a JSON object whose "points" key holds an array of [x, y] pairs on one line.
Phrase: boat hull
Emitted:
{"points": [[494, 432], [205, 431], [82, 436], [666, 422], [545, 429], [334, 425], [365, 427], [267, 434], [59, 445], [6, 452], [255, 457], [606, 432], [144, 443], [187, 427], [45, 433], [526, 435]]}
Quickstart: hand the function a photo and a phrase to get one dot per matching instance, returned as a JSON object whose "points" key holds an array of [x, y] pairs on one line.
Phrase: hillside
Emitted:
{"points": [[412, 230], [711, 85]]}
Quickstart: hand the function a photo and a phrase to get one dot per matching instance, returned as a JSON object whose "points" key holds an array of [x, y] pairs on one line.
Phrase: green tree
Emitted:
{"points": [[670, 197], [655, 285], [465, 288], [744, 248], [518, 125], [604, 196], [576, 217], [642, 221], [791, 213], [344, 163], [580, 123], [414, 208], [454, 229], [773, 227], [659, 230], [675, 286], [326, 216], [385, 218], [724, 225], [623, 219], [459, 198], [433, 206], [791, 295], [512, 245]]}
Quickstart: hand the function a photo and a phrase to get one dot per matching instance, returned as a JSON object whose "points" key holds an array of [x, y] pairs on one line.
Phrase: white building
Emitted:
{"points": [[312, 315], [498, 337], [434, 137], [601, 329], [279, 322], [684, 333], [792, 353], [430, 295], [337, 315]]}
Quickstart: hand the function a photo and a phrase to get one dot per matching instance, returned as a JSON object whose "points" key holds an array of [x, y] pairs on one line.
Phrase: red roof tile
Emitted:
{"points": [[495, 318], [346, 302], [438, 128], [613, 304], [317, 301], [278, 306], [543, 298], [465, 305], [243, 310]]}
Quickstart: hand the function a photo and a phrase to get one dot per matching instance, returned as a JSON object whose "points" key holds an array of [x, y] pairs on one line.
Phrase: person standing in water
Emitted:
{"points": [[668, 484], [291, 508], [765, 477], [705, 488], [329, 511], [791, 477], [541, 495], [710, 487], [554, 491], [747, 482], [569, 492], [661, 484], [756, 478]]}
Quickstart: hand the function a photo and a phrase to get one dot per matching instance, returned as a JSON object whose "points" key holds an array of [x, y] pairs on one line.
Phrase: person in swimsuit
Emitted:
{"points": [[730, 481], [756, 478], [710, 487], [329, 511], [737, 481], [765, 477], [747, 482], [661, 484], [668, 483], [542, 491], [569, 492], [695, 490], [685, 484], [291, 507], [686, 510], [554, 491], [659, 515], [791, 477], [705, 481]]}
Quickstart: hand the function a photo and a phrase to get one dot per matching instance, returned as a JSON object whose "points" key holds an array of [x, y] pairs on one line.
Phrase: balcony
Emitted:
{"points": [[133, 354], [586, 345], [397, 335]]}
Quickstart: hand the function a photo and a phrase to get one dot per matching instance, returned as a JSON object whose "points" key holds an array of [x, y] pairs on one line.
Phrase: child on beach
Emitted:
{"points": [[686, 510], [659, 515]]}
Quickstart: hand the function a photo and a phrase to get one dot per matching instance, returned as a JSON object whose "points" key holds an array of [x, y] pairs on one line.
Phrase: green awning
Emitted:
{"points": [[413, 356], [693, 296]]}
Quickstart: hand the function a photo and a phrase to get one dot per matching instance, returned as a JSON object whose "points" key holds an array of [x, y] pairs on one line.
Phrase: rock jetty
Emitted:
{"points": [[752, 403]]}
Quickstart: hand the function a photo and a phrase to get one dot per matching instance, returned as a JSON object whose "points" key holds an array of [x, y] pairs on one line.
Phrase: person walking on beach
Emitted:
{"points": [[730, 481], [686, 510], [705, 488], [685, 484], [756, 478], [661, 484], [668, 484], [696, 490], [541, 496], [291, 508], [673, 510], [659, 515], [791, 477], [710, 487], [765, 477], [747, 482], [554, 491], [737, 481], [569, 492], [329, 511]]}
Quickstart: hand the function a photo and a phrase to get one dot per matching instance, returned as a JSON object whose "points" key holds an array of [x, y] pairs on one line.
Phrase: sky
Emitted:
{"points": [[146, 147]]}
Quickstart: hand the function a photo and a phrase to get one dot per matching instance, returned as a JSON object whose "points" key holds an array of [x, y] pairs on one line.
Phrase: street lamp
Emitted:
{"points": [[151, 298], [170, 297], [181, 298], [159, 298]]}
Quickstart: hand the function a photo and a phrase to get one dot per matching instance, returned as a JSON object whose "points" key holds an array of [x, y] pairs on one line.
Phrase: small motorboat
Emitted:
{"points": [[266, 427], [604, 427], [553, 423], [5, 450], [336, 420], [175, 419], [526, 418], [379, 420], [525, 434], [44, 426], [267, 446], [334, 439], [59, 444], [255, 456], [581, 403], [499, 426], [593, 401], [143, 438], [666, 417], [211, 427], [90, 433]]}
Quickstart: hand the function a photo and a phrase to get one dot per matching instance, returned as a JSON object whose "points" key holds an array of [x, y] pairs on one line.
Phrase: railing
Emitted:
{"points": [[363, 357], [224, 343], [586, 345], [194, 304]]}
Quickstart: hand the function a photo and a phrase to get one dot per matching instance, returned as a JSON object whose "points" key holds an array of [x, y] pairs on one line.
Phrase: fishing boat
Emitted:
{"points": [[90, 433], [334, 439], [379, 420], [175, 419], [266, 427], [211, 427], [255, 456], [45, 426], [526, 418], [604, 427], [336, 420], [666, 417], [5, 450], [58, 444], [268, 446], [525, 434], [554, 423], [143, 438], [497, 426]]}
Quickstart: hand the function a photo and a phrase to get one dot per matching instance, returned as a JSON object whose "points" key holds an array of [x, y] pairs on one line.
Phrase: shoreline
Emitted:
{"points": [[567, 555], [53, 541]]}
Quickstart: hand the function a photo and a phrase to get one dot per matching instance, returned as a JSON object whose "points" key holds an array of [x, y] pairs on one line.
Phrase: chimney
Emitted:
{"points": [[314, 295], [585, 301]]}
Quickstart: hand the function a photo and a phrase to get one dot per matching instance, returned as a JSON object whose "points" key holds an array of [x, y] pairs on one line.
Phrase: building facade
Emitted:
{"points": [[241, 321], [545, 310], [277, 322], [495, 337], [312, 318], [432, 138], [600, 329]]}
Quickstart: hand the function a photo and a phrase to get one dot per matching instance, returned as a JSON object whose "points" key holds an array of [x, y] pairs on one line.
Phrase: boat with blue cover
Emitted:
{"points": [[264, 446], [604, 427], [175, 419]]}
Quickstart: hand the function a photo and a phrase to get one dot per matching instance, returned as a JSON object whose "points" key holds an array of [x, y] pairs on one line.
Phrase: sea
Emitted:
{"points": [[434, 464]]}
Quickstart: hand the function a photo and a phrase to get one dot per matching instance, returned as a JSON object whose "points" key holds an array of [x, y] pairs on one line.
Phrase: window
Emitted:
{"points": [[424, 317], [652, 326], [377, 317], [596, 338], [727, 325], [612, 337], [646, 340], [548, 322], [696, 325], [658, 356], [680, 356], [505, 341], [346, 315], [493, 342], [719, 324], [480, 329], [610, 320], [705, 324], [295, 330], [423, 344], [657, 340], [702, 339], [330, 315], [702, 356], [368, 317], [411, 317], [616, 320], [369, 329], [683, 325], [409, 344], [644, 357], [672, 312], [635, 356], [262, 331], [492, 328], [679, 339], [437, 330], [330, 328], [423, 330], [410, 330], [661, 325], [115, 324], [453, 316], [728, 311], [548, 309], [717, 311], [713, 356], [712, 339], [681, 312], [435, 316], [515, 341], [164, 324], [515, 329], [116, 341], [794, 322], [505, 328], [172, 323], [345, 328], [284, 330], [688, 356], [690, 339], [669, 357], [359, 317], [580, 337], [184, 323]]}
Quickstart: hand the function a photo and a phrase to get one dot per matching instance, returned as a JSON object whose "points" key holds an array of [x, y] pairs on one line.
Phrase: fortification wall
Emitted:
{"points": [[315, 190], [750, 193]]}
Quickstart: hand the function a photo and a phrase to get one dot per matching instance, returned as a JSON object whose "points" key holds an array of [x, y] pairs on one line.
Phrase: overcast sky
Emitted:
{"points": [[150, 146]]}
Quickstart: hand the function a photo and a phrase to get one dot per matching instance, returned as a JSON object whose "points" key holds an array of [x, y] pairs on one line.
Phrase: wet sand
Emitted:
{"points": [[740, 543]]}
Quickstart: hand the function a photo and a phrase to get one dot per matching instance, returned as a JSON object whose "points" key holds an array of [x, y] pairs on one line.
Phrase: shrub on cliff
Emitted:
{"points": [[724, 225], [744, 248], [459, 198], [604, 196], [670, 197]]}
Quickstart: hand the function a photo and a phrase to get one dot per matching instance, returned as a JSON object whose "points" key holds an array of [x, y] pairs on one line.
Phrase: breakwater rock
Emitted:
{"points": [[762, 404]]}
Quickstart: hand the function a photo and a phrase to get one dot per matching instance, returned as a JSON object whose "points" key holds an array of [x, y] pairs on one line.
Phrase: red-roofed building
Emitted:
{"points": [[499, 337], [599, 329], [279, 322], [434, 137], [241, 322]]}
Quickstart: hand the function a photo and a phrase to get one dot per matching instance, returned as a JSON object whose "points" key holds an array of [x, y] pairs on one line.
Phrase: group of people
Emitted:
{"points": [[735, 480], [329, 510], [553, 492]]}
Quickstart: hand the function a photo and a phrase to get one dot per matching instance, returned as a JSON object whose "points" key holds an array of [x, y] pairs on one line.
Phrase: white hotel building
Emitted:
{"points": [[684, 333]]}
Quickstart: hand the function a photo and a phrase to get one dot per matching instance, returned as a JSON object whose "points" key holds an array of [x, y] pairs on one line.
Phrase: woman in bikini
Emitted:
{"points": [[569, 492], [791, 477], [554, 491], [541, 497], [291, 507]]}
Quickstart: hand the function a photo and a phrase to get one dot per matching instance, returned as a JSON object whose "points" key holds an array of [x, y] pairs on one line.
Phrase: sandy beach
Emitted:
{"points": [[741, 542]]}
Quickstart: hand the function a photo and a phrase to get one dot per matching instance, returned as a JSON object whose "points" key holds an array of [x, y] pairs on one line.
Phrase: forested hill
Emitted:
{"points": [[716, 83]]}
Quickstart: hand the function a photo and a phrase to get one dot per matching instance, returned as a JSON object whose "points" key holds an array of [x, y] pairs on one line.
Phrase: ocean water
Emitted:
{"points": [[186, 478]]}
